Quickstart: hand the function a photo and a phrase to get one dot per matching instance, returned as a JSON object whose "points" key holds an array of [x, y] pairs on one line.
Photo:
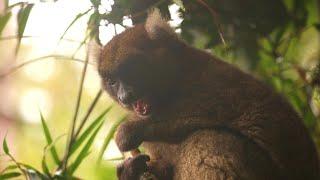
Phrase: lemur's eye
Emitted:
{"points": [[111, 81]]}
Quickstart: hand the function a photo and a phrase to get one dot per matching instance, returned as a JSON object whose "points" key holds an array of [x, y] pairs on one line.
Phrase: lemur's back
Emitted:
{"points": [[256, 134]]}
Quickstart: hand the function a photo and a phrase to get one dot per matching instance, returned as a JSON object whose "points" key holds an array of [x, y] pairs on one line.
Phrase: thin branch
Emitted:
{"points": [[57, 57], [215, 18], [48, 147], [17, 37], [81, 44], [51, 145], [73, 122], [91, 107], [18, 165], [75, 20], [115, 159], [5, 38]]}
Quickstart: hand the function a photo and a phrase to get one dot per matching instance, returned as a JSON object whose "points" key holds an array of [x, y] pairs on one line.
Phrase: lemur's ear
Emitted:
{"points": [[156, 26]]}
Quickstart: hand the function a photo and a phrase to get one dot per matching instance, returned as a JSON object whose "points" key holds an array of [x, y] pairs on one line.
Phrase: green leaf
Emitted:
{"points": [[3, 21], [28, 167], [80, 45], [73, 21], [45, 168], [48, 136], [89, 129], [84, 152], [109, 137], [34, 170], [23, 16], [114, 17], [8, 168], [317, 26], [5, 146], [95, 3], [9, 175], [180, 4], [309, 118]]}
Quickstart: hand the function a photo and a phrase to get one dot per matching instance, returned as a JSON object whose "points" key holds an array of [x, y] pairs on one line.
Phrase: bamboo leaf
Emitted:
{"points": [[34, 175], [95, 3], [84, 152], [31, 170], [109, 137], [48, 136], [89, 129], [5, 146], [317, 26], [3, 21], [8, 168], [28, 167], [23, 16], [114, 17], [9, 175], [45, 168]]}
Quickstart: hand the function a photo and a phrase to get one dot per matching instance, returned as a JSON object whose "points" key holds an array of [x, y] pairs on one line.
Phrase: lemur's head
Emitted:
{"points": [[141, 68]]}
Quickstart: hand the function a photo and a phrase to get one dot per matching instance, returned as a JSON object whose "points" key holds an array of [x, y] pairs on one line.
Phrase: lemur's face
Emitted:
{"points": [[139, 72]]}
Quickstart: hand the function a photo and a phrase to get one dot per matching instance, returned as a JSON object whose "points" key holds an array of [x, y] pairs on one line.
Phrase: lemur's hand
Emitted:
{"points": [[132, 168]]}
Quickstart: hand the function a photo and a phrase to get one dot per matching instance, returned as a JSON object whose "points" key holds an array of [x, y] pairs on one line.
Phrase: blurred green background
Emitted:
{"points": [[44, 45]]}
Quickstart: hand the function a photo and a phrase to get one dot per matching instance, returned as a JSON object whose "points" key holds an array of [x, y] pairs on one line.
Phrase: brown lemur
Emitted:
{"points": [[196, 116]]}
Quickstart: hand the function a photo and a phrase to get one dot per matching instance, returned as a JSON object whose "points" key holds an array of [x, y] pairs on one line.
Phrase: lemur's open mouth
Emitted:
{"points": [[141, 107]]}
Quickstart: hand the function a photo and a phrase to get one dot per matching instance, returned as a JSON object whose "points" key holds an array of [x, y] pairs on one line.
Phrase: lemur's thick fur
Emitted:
{"points": [[217, 121]]}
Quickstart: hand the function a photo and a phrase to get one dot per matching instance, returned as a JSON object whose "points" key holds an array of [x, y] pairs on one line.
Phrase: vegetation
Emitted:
{"points": [[276, 40]]}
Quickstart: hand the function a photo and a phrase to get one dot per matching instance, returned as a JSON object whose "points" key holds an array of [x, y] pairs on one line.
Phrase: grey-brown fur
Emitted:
{"points": [[219, 122]]}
